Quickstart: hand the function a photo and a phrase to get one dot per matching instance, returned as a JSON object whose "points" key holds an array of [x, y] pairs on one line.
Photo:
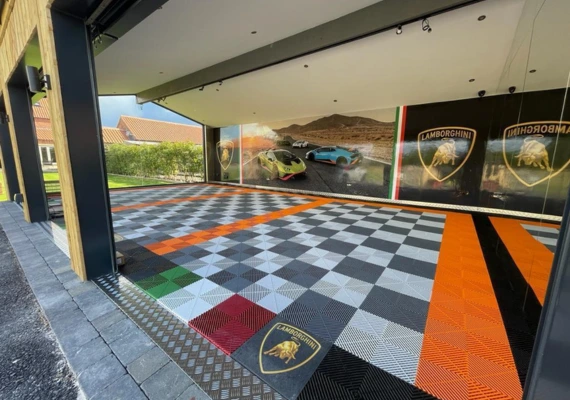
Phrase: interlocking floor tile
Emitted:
{"points": [[342, 375], [229, 324]]}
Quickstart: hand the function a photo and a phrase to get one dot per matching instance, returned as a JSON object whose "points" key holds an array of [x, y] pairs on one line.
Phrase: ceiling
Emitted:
{"points": [[380, 71], [187, 35]]}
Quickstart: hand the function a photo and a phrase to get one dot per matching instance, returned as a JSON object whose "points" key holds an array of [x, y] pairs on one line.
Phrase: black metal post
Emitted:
{"points": [[85, 143], [8, 164], [28, 152]]}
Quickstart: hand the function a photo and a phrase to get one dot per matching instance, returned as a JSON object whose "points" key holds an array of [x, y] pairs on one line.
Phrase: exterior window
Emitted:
{"points": [[44, 155], [52, 154]]}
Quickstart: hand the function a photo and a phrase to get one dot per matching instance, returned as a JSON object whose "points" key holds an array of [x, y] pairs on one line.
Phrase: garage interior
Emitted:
{"points": [[385, 189]]}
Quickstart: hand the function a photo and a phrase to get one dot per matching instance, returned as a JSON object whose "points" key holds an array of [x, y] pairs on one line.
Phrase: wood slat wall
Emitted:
{"points": [[23, 20]]}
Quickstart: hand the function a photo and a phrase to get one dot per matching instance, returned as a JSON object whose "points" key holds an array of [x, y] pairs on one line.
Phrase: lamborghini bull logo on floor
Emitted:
{"points": [[529, 150], [285, 348], [225, 153], [443, 151]]}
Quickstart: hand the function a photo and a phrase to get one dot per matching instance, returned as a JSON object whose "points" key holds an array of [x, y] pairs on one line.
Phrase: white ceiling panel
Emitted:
{"points": [[381, 71], [188, 35]]}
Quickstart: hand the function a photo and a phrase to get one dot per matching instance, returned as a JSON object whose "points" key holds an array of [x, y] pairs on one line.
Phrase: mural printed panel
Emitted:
{"points": [[346, 154]]}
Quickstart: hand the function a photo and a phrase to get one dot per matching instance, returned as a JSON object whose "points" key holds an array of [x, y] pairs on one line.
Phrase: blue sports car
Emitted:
{"points": [[335, 155]]}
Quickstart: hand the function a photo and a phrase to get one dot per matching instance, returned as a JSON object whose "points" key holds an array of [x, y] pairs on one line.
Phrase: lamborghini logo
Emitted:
{"points": [[444, 151], [528, 150], [225, 153], [285, 348]]}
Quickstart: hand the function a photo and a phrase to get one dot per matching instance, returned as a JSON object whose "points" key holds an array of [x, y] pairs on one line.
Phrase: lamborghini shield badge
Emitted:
{"points": [[443, 151], [225, 153], [529, 150], [285, 348]]}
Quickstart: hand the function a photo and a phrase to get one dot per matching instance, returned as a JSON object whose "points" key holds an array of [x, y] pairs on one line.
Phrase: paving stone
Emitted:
{"points": [[193, 393], [168, 383], [124, 388], [88, 354], [118, 330], [148, 364], [108, 319], [77, 336], [130, 347], [81, 287], [94, 304], [100, 375]]}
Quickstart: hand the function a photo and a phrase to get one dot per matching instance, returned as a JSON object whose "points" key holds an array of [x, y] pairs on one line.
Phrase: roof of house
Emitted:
{"points": [[141, 129], [110, 135], [150, 130], [41, 109]]}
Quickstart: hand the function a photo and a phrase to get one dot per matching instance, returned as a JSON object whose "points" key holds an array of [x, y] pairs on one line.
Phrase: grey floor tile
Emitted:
{"points": [[124, 388], [97, 377], [118, 330], [108, 319], [131, 346], [168, 383], [88, 354], [147, 364]]}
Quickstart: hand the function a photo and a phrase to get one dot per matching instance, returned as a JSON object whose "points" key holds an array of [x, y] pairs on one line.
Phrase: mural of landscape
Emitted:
{"points": [[339, 153]]}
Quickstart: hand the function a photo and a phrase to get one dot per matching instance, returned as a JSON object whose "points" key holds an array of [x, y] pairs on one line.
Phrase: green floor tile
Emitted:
{"points": [[150, 282], [174, 273], [162, 290], [187, 279]]}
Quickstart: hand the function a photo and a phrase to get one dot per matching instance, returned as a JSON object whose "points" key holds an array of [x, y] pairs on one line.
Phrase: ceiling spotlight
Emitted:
{"points": [[532, 71], [254, 112], [512, 89], [217, 90], [425, 25], [306, 66], [481, 93], [481, 18], [399, 30], [335, 100], [201, 89], [471, 80], [221, 83], [161, 72], [253, 32]]}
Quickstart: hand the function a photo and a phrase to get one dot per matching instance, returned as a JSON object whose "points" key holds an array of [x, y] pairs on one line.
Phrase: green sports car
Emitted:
{"points": [[281, 164]]}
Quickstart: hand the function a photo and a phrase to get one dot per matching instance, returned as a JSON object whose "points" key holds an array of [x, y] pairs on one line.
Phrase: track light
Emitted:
{"points": [[201, 89], [221, 83], [399, 30], [425, 25]]}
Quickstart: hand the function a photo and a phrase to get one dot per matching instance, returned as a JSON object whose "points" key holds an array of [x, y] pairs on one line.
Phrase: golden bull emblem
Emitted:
{"points": [[453, 146], [225, 153], [285, 348], [528, 150]]}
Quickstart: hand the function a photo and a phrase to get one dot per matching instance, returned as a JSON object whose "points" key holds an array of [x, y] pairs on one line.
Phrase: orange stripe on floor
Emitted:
{"points": [[532, 258], [466, 352], [171, 245], [174, 201]]}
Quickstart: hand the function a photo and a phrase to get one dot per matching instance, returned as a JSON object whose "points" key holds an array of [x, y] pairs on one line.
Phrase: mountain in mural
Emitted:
{"points": [[335, 122], [373, 138]]}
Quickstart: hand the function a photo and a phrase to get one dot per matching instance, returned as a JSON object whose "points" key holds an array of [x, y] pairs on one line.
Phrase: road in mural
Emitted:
{"points": [[346, 154]]}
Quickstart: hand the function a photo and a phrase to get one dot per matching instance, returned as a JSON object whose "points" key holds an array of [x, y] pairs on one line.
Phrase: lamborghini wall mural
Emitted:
{"points": [[508, 152]]}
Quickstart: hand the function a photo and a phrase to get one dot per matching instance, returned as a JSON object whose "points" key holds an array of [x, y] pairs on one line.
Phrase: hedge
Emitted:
{"points": [[155, 160]]}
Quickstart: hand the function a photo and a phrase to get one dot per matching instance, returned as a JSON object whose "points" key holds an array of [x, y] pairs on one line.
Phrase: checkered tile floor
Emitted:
{"points": [[546, 235], [355, 276], [138, 196], [233, 265], [156, 223]]}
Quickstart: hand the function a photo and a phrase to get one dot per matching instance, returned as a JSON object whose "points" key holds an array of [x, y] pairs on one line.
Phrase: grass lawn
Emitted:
{"points": [[117, 181]]}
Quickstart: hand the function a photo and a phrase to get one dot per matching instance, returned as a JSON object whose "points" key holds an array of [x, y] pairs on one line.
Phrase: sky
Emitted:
{"points": [[112, 107]]}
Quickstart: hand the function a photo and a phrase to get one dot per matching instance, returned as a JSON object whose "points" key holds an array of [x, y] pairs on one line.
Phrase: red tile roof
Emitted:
{"points": [[146, 130], [113, 135], [110, 135], [149, 130], [41, 110]]}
